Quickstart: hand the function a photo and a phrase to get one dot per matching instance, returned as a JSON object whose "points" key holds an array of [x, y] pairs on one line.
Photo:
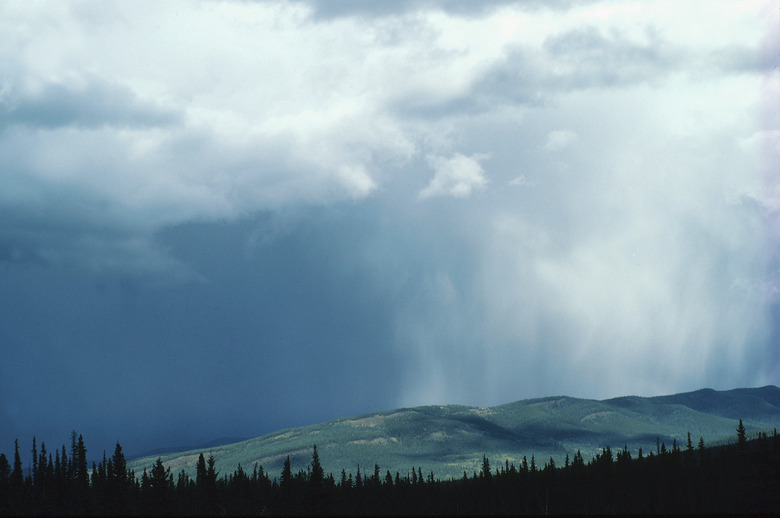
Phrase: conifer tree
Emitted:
{"points": [[5, 473], [211, 473], [16, 483], [81, 476], [5, 469], [73, 456], [578, 460], [160, 488], [625, 455], [42, 466], [205, 482], [119, 465], [485, 473], [741, 436], [118, 482], [94, 482], [286, 476], [57, 467], [17, 476], [49, 470], [145, 482], [359, 479], [82, 461], [317, 473], [200, 471], [34, 452], [182, 481], [65, 465]]}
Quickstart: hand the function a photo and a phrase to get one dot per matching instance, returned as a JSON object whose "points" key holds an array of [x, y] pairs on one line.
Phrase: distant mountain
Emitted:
{"points": [[203, 446], [449, 440]]}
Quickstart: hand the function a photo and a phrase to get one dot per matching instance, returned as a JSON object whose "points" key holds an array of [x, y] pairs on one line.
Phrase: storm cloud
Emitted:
{"points": [[222, 219]]}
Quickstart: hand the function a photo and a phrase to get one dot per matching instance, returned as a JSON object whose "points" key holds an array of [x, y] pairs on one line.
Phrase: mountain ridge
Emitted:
{"points": [[221, 441], [450, 439]]}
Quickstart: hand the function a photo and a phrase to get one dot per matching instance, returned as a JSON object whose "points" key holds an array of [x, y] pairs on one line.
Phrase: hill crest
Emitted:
{"points": [[451, 439]]}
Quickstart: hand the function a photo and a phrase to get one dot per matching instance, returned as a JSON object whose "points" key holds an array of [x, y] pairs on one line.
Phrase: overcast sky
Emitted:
{"points": [[222, 218]]}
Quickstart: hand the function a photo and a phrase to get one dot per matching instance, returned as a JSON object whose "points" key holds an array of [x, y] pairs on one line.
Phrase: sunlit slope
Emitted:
{"points": [[450, 439]]}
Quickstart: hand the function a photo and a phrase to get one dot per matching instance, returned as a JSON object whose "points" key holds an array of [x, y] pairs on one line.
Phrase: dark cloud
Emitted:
{"points": [[588, 47], [326, 9], [67, 226], [16, 250], [438, 108], [575, 60], [515, 79], [283, 326], [89, 104], [746, 59]]}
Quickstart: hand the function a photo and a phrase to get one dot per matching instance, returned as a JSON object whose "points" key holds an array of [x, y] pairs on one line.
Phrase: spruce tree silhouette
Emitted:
{"points": [[741, 436]]}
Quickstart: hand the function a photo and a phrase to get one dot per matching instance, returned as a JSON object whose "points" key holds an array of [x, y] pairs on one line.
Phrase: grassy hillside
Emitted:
{"points": [[450, 439]]}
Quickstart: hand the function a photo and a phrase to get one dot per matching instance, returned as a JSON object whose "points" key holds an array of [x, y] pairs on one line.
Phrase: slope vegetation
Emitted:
{"points": [[449, 440]]}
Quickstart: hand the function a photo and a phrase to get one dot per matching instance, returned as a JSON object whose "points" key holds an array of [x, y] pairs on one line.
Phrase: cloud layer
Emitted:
{"points": [[380, 204]]}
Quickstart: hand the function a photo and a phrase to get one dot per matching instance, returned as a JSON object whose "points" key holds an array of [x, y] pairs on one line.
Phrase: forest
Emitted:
{"points": [[740, 477]]}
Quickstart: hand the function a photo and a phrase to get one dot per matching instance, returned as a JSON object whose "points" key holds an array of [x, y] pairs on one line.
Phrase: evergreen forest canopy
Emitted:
{"points": [[740, 477]]}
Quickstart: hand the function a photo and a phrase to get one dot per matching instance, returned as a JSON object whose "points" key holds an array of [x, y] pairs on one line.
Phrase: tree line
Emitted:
{"points": [[735, 478]]}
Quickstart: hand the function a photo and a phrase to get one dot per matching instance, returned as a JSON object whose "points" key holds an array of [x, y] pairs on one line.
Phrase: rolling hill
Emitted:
{"points": [[449, 440]]}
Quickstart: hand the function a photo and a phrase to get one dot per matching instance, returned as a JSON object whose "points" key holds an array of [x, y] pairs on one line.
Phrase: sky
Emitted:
{"points": [[225, 218]]}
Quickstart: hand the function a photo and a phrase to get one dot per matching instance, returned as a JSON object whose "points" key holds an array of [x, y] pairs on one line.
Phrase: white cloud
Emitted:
{"points": [[357, 180], [559, 139], [124, 117], [521, 180], [275, 105], [457, 176]]}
